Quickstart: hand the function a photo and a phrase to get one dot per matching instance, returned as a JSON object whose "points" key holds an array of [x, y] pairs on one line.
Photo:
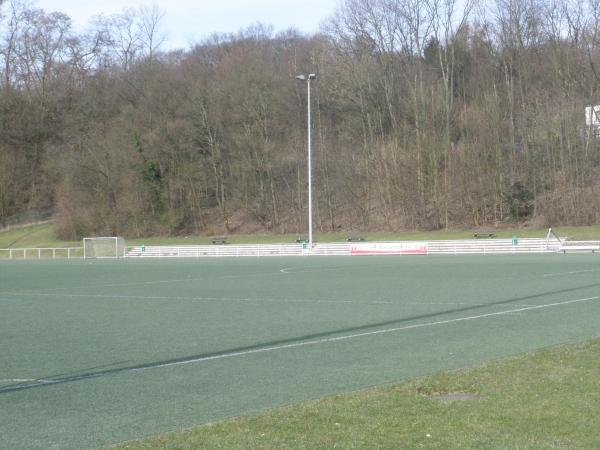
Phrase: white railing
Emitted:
{"points": [[192, 251], [580, 246], [42, 253], [458, 247], [493, 246]]}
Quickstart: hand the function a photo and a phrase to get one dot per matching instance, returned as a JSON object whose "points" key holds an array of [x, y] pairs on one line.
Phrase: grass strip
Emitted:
{"points": [[547, 399], [44, 236], [33, 236]]}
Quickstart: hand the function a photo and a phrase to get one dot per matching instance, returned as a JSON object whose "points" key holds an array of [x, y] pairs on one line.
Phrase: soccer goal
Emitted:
{"points": [[103, 247], [553, 242]]}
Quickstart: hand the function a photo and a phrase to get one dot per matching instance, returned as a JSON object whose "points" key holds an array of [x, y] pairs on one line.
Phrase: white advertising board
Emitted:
{"points": [[390, 248]]}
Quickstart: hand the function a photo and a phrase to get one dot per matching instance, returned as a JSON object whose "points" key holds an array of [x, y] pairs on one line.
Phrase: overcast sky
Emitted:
{"points": [[189, 21]]}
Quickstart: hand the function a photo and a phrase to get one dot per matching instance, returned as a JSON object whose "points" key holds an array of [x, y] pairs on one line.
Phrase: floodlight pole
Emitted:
{"points": [[308, 79]]}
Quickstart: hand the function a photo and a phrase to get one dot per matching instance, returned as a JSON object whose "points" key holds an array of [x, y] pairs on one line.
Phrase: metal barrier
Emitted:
{"points": [[457, 247], [467, 246], [580, 246], [42, 253], [191, 251], [493, 246]]}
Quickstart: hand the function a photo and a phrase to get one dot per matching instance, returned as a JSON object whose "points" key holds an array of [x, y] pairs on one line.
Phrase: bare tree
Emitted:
{"points": [[449, 30], [149, 22]]}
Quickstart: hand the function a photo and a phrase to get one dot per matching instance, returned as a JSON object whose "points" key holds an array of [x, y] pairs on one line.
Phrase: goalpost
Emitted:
{"points": [[103, 247], [553, 242]]}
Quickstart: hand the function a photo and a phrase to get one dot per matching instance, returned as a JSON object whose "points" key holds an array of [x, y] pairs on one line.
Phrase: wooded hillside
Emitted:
{"points": [[427, 114]]}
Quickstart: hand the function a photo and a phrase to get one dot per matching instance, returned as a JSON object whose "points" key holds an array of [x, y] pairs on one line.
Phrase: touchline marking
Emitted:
{"points": [[143, 283], [40, 382], [244, 300], [454, 304], [570, 273], [181, 280], [295, 270], [211, 299], [23, 380], [368, 333], [136, 283]]}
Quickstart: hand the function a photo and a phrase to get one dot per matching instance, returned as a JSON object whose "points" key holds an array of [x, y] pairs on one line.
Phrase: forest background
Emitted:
{"points": [[427, 114]]}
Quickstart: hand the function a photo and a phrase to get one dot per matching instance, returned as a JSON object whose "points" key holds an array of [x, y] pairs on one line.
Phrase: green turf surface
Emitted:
{"points": [[128, 348], [546, 400], [44, 235]]}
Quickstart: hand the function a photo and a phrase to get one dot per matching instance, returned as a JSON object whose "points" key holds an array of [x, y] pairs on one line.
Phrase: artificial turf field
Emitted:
{"points": [[102, 351]]}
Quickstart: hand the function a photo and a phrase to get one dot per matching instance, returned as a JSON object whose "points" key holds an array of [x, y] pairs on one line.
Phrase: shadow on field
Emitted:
{"points": [[61, 379]]}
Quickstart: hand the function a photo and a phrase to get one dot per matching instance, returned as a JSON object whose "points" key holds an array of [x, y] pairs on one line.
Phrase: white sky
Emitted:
{"points": [[188, 21]]}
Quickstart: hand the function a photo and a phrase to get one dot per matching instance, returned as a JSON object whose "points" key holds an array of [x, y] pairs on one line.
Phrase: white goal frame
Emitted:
{"points": [[114, 245], [552, 240]]}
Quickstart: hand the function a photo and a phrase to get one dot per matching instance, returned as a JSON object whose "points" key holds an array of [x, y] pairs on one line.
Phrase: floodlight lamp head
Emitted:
{"points": [[300, 77], [312, 76]]}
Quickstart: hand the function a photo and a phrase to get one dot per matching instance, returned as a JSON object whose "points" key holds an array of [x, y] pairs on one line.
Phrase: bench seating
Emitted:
{"points": [[483, 234], [219, 240], [355, 238]]}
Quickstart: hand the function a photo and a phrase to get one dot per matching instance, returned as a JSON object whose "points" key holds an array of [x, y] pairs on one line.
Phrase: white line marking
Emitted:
{"points": [[308, 269], [570, 273], [313, 342], [368, 333], [23, 380], [247, 300], [211, 299], [144, 283], [458, 304]]}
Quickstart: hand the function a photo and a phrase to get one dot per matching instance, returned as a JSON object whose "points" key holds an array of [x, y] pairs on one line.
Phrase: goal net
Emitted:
{"points": [[553, 242], [103, 247]]}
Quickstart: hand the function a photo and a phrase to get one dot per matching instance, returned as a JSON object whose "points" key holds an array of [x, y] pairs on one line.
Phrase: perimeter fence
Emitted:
{"points": [[441, 247]]}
